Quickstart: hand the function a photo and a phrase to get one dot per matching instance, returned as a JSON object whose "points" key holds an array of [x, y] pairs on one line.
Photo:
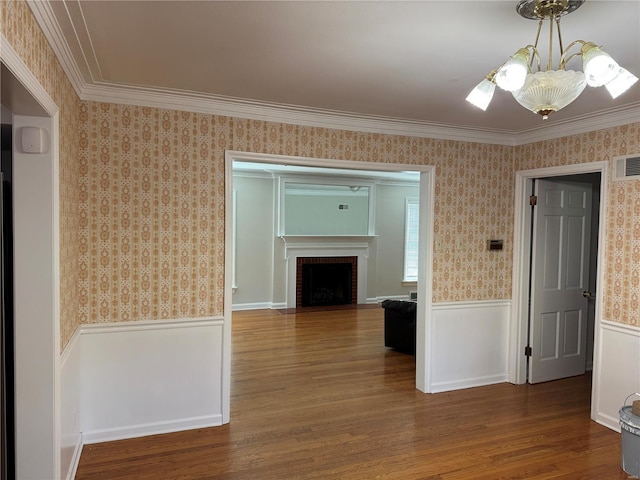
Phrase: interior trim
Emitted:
{"points": [[97, 328], [19, 69], [43, 13], [620, 327]]}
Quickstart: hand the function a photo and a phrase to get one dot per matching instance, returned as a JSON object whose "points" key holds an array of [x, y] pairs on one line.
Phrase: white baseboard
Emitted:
{"points": [[468, 383], [258, 306], [75, 459], [375, 300], [70, 435], [608, 421], [155, 428], [250, 306]]}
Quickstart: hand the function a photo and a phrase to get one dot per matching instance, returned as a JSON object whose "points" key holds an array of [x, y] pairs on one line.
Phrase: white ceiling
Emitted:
{"points": [[411, 62]]}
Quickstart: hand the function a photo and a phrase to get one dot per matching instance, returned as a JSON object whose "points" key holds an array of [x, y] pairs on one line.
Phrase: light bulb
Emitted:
{"points": [[621, 83], [599, 68], [481, 95], [512, 74]]}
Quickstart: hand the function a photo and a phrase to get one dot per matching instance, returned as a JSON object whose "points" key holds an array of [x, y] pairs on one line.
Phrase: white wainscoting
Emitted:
{"points": [[71, 436], [617, 371], [470, 344], [144, 378]]}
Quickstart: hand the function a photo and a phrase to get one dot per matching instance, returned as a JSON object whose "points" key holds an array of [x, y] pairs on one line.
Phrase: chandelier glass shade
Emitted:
{"points": [[548, 90]]}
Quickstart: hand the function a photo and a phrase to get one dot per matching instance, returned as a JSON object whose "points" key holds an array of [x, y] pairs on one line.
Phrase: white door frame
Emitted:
{"points": [[521, 266], [425, 268], [36, 196]]}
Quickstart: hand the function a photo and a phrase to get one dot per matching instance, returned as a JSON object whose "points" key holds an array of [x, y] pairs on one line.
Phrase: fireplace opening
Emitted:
{"points": [[326, 281]]}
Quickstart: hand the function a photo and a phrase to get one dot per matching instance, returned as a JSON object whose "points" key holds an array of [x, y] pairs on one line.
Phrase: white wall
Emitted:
{"points": [[71, 435], [143, 378], [469, 346], [254, 241], [321, 214], [616, 371], [138, 378], [389, 255]]}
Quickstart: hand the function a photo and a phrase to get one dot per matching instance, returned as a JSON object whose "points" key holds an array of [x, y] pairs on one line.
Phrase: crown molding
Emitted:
{"points": [[44, 15], [91, 90], [613, 117], [290, 114]]}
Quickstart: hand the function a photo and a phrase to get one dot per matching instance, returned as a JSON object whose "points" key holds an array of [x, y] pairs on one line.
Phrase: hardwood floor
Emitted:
{"points": [[316, 395]]}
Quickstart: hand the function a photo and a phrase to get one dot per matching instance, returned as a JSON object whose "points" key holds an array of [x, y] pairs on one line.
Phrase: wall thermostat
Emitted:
{"points": [[33, 139]]}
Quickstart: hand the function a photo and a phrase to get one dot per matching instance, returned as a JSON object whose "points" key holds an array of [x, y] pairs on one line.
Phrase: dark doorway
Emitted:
{"points": [[6, 310]]}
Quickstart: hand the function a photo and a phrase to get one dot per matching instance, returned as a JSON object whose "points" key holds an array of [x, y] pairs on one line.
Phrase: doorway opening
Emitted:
{"points": [[524, 274], [426, 186], [563, 278], [36, 336], [7, 423]]}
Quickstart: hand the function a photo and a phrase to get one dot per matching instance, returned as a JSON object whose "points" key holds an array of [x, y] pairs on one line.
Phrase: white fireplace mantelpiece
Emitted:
{"points": [[326, 246]]}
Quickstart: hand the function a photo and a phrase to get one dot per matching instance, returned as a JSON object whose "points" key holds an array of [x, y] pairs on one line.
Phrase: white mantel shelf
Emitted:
{"points": [[306, 242], [293, 238]]}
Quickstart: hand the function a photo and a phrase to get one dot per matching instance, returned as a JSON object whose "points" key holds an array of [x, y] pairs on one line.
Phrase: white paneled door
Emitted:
{"points": [[560, 276]]}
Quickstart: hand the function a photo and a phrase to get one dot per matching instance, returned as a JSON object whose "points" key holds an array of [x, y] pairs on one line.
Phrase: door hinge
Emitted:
{"points": [[533, 200], [527, 351]]}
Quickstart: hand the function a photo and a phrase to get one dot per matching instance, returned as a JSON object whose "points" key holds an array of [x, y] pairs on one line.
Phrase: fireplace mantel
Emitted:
{"points": [[310, 242], [326, 246]]}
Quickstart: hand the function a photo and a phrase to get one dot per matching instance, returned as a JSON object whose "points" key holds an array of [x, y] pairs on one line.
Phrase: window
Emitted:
{"points": [[411, 216]]}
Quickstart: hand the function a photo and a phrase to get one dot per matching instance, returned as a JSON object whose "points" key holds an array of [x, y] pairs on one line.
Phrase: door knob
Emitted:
{"points": [[586, 294]]}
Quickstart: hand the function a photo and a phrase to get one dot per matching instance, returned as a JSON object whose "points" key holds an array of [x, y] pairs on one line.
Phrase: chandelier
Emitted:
{"points": [[546, 90]]}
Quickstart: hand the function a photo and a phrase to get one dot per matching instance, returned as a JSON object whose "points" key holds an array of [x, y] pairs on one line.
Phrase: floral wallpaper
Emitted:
{"points": [[151, 213], [23, 33], [142, 199]]}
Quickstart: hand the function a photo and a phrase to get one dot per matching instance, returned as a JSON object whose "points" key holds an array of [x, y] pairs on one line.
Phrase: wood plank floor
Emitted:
{"points": [[316, 395]]}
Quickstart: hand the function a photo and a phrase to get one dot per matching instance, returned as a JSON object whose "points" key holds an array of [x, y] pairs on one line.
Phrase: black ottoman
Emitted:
{"points": [[400, 325]]}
